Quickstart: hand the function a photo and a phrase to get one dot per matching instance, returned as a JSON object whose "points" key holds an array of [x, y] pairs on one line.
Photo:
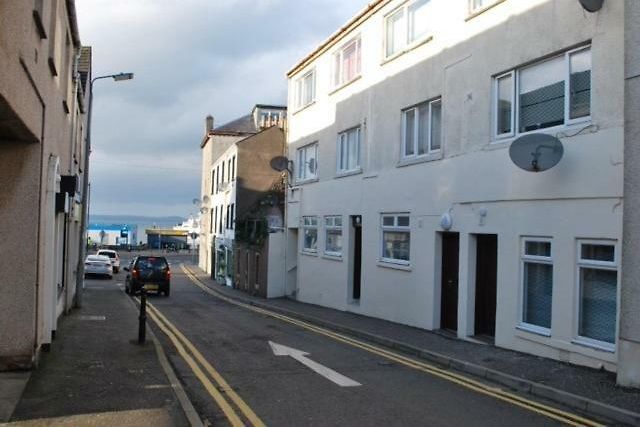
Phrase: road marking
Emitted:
{"points": [[300, 356], [180, 342], [467, 382]]}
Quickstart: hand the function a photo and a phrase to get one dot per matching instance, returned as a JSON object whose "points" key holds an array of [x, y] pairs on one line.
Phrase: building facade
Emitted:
{"points": [[236, 178], [406, 205], [117, 235], [44, 77]]}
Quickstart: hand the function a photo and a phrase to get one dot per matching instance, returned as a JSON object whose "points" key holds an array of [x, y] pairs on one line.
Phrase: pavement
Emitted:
{"points": [[590, 391], [95, 374]]}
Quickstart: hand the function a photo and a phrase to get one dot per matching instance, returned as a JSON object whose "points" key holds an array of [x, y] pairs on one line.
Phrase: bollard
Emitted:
{"points": [[142, 331]]}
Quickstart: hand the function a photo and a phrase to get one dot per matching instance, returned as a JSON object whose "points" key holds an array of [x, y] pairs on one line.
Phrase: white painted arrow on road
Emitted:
{"points": [[330, 374]]}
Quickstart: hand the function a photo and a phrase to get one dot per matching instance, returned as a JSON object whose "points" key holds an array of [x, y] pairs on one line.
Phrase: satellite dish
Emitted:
{"points": [[205, 199], [536, 152], [279, 163], [591, 5], [196, 202], [313, 165]]}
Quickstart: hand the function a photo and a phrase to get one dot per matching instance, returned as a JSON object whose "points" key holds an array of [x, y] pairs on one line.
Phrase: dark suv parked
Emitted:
{"points": [[152, 272]]}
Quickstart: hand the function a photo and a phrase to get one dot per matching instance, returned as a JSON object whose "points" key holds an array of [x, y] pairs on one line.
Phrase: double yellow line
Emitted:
{"points": [[469, 383], [232, 405]]}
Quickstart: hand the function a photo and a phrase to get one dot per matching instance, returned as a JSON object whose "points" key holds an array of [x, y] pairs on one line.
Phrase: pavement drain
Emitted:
{"points": [[94, 318]]}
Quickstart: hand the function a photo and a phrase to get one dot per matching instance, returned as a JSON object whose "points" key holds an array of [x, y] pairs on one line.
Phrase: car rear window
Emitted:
{"points": [[152, 263], [109, 254]]}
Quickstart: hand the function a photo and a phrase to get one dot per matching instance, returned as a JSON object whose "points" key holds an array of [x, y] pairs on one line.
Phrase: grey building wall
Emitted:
{"points": [[42, 125], [629, 335]]}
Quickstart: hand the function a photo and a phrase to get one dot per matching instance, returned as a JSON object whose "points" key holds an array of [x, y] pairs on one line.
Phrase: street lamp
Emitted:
{"points": [[85, 185]]}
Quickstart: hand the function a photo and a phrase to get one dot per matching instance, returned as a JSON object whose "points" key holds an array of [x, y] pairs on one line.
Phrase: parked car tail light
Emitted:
{"points": [[168, 274], [134, 273]]}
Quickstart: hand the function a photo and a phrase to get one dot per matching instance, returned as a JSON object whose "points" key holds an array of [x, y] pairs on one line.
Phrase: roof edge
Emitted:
{"points": [[351, 25]]}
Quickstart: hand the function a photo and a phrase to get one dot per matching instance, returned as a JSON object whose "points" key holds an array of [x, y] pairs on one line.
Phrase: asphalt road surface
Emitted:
{"points": [[223, 354]]}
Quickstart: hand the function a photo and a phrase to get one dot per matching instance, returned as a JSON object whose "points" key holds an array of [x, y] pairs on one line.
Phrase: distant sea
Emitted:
{"points": [[143, 222]]}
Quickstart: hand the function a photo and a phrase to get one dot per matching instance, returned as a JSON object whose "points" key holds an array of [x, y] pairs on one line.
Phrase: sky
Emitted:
{"points": [[190, 58]]}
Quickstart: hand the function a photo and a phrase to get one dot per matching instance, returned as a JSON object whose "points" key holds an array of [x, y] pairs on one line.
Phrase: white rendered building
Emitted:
{"points": [[406, 205]]}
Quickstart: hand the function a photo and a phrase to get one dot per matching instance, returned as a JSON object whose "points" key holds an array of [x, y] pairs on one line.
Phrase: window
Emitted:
{"points": [[222, 171], [305, 89], [307, 168], [349, 150], [310, 233], [227, 217], [233, 168], [406, 26], [333, 235], [214, 220], [211, 220], [217, 178], [478, 5], [220, 219], [213, 179], [396, 238], [537, 284], [598, 289], [553, 92], [346, 63], [422, 129], [232, 217]]}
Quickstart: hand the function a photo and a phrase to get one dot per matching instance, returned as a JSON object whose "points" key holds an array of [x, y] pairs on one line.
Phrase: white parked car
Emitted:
{"points": [[98, 264], [113, 256]]}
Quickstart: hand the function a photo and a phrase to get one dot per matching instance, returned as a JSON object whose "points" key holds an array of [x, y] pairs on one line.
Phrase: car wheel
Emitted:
{"points": [[126, 289], [116, 270], [167, 292]]}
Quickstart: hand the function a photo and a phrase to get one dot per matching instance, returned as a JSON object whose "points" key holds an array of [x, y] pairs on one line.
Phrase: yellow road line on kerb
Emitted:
{"points": [[498, 393], [217, 377], [211, 389]]}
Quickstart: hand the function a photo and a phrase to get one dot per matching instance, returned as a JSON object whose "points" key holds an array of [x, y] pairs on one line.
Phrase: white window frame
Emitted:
{"points": [[534, 259], [515, 98], [300, 102], [308, 224], [343, 138], [407, 43], [486, 5], [330, 225], [394, 228], [338, 78], [301, 166], [597, 265], [416, 130]]}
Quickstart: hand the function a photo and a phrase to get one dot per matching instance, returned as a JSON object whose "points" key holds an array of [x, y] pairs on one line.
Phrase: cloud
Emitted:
{"points": [[191, 58]]}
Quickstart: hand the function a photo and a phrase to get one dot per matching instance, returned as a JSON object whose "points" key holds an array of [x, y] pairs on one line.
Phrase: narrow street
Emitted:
{"points": [[365, 385]]}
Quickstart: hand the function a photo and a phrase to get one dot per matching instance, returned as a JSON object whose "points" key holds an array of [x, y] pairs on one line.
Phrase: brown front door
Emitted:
{"points": [[486, 283], [449, 300]]}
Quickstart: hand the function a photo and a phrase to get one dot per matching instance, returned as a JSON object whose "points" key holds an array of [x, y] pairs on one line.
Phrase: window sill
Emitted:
{"points": [[596, 345], [304, 107], [343, 85], [332, 257], [534, 329], [342, 174], [407, 49], [309, 253], [420, 159], [482, 10], [394, 265], [307, 181], [561, 131]]}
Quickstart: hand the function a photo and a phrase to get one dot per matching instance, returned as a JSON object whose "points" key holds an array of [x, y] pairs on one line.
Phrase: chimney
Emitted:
{"points": [[208, 124]]}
